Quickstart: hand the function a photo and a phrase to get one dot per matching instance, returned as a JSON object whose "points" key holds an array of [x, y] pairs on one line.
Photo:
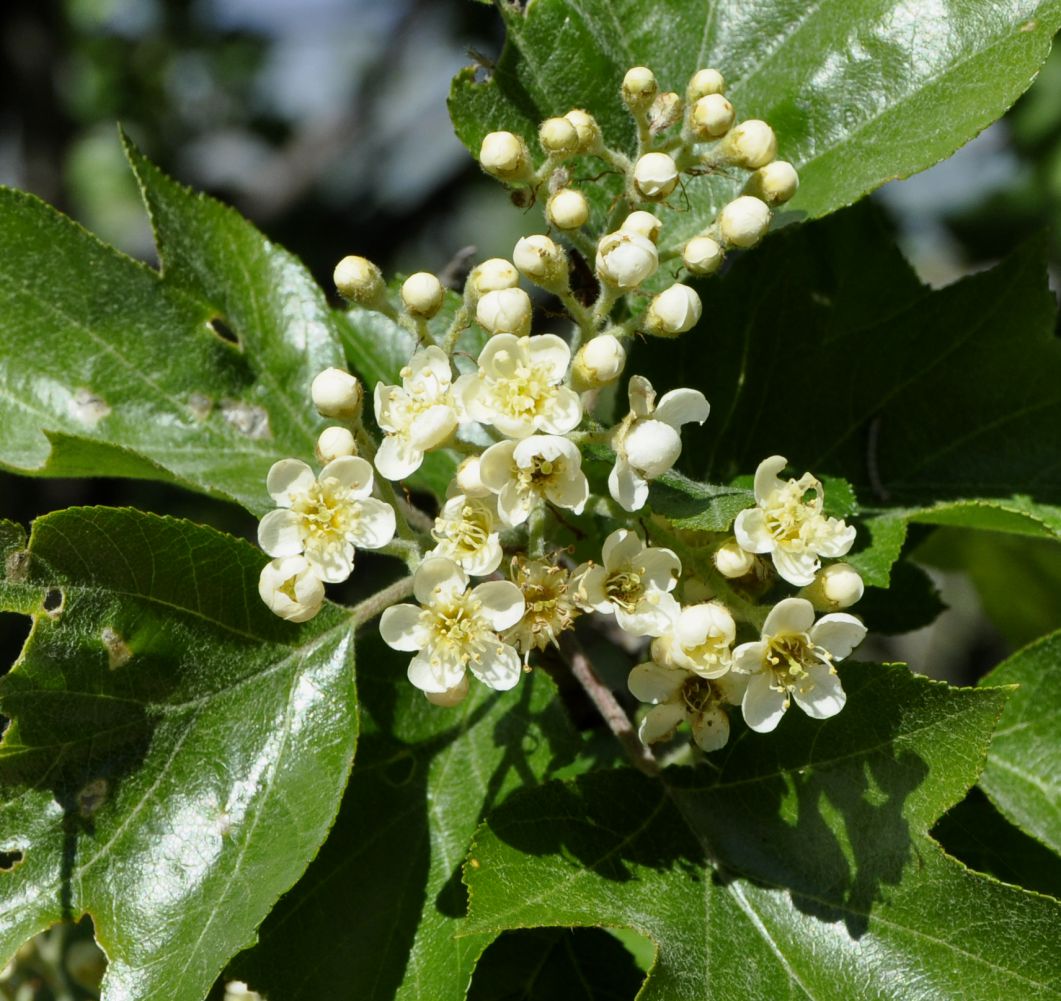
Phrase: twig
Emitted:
{"points": [[372, 606]]}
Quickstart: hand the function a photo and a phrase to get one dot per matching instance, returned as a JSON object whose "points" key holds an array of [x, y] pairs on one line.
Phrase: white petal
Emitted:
{"points": [[499, 667], [732, 687], [495, 465], [549, 352], [375, 525], [660, 722], [752, 534], [503, 603], [437, 576], [796, 568], [660, 567], [436, 678], [821, 694], [642, 396], [514, 506], [629, 489], [280, 533], [766, 479], [389, 403], [621, 548], [309, 591], [470, 393], [681, 406], [287, 479], [546, 446], [649, 618], [402, 628], [563, 413], [697, 622], [834, 538], [839, 633], [652, 447], [332, 563], [352, 472], [571, 492], [789, 615], [500, 356], [432, 427], [710, 728], [430, 364], [748, 658], [486, 560], [397, 459], [593, 593], [762, 705], [654, 683]]}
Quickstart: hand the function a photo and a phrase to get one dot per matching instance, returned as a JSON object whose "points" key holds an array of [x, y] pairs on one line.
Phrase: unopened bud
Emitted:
{"points": [[558, 136], [598, 362], [567, 209], [542, 261], [665, 111], [506, 311], [451, 697], [639, 88], [643, 224], [423, 294], [359, 280], [336, 393], [334, 443], [731, 561], [625, 260], [744, 221], [491, 276], [655, 176], [837, 586], [590, 138], [702, 255], [775, 183], [751, 145], [469, 482], [712, 116], [704, 82], [673, 312], [505, 156]]}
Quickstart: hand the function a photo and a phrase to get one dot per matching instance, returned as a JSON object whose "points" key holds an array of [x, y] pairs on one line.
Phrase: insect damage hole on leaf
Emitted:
{"points": [[223, 331], [53, 602], [10, 859]]}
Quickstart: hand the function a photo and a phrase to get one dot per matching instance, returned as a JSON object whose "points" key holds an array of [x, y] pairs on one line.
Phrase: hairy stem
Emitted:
{"points": [[374, 605]]}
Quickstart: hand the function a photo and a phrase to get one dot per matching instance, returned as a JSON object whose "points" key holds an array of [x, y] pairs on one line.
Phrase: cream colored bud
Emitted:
{"points": [[491, 276], [423, 294], [598, 362], [334, 443], [665, 111], [643, 224], [625, 260], [673, 312], [451, 697], [837, 586], [655, 176], [567, 209], [702, 255], [731, 561], [558, 136], [336, 393], [506, 311], [358, 279], [469, 482], [505, 156], [775, 183], [704, 82], [542, 261], [751, 145], [639, 87], [744, 221], [712, 117], [590, 138]]}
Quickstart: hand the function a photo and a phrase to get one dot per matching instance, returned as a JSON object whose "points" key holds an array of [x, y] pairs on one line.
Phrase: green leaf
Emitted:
{"points": [[858, 92], [1024, 760], [176, 753], [384, 894], [108, 368], [792, 865]]}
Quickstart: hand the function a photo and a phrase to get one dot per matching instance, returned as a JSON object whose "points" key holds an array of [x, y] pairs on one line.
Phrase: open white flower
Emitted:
{"points": [[549, 592], [648, 441], [679, 696], [523, 473], [634, 584], [518, 388], [466, 531], [794, 660], [324, 517], [291, 589], [455, 630], [699, 640], [417, 416], [789, 525]]}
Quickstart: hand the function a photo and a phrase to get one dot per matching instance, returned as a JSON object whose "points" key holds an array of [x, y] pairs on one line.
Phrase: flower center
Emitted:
{"points": [[466, 534], [326, 511], [288, 587], [697, 693], [624, 588], [525, 393], [458, 631], [540, 473], [793, 512], [790, 655]]}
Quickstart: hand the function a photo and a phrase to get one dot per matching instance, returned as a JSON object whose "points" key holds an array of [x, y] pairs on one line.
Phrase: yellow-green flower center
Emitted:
{"points": [[790, 655], [326, 513], [624, 588]]}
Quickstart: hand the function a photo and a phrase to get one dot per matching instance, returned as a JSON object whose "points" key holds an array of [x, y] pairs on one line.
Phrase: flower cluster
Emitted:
{"points": [[525, 414]]}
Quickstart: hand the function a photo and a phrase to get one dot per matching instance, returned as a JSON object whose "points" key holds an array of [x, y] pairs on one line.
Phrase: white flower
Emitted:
{"points": [[505, 156], [711, 116], [655, 176], [358, 279], [626, 259], [744, 221], [423, 294], [599, 361], [558, 136], [794, 659], [837, 586], [699, 640], [334, 443], [673, 311], [524, 473], [518, 388], [775, 183], [567, 209], [549, 592], [492, 275], [639, 87], [542, 260], [634, 584], [643, 224], [702, 255], [324, 517], [790, 526], [648, 441], [504, 311], [416, 416], [336, 393], [679, 696], [291, 588], [751, 145], [466, 531], [704, 82], [733, 562], [456, 630]]}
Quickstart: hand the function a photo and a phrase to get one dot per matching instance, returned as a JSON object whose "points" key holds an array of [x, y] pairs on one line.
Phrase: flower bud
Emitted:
{"points": [[673, 312], [704, 82], [598, 362], [567, 209], [655, 176], [639, 88], [423, 294], [542, 261], [625, 260], [558, 136], [836, 586], [291, 589], [643, 224], [590, 138], [359, 280], [336, 393], [334, 443], [491, 276], [731, 561], [451, 697], [505, 156], [775, 183], [468, 479], [712, 116], [702, 255], [506, 311], [665, 111], [744, 221], [751, 145]]}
